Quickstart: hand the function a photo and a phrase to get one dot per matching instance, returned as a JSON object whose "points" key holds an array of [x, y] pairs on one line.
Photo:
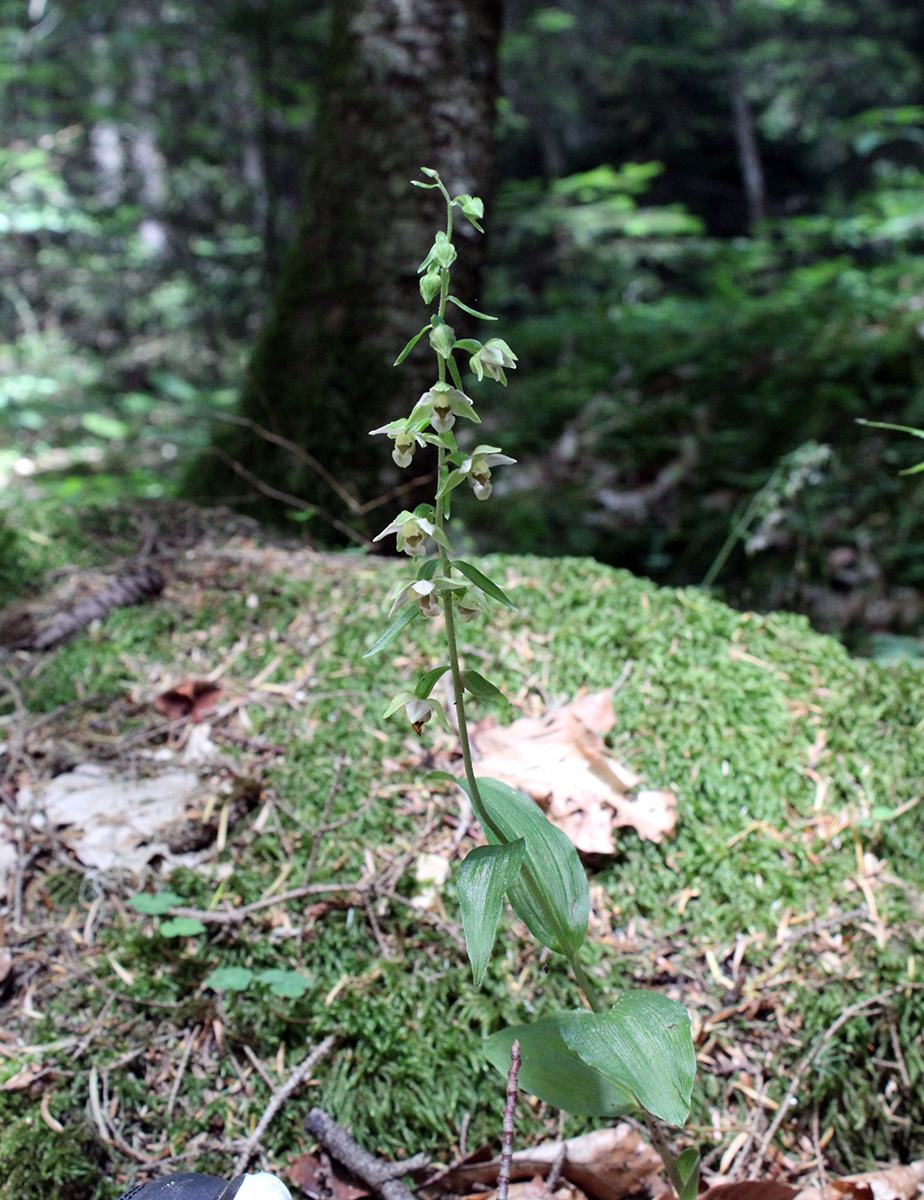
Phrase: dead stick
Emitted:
{"points": [[365, 1166], [503, 1173], [279, 1097]]}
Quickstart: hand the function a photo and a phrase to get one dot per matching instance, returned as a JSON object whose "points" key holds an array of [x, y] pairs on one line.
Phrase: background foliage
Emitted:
{"points": [[707, 250]]}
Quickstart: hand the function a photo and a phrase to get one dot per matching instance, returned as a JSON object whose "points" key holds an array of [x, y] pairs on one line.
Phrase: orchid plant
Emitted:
{"points": [[632, 1056]]}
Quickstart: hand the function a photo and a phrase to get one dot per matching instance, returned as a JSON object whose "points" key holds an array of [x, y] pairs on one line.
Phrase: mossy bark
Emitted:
{"points": [[410, 83]]}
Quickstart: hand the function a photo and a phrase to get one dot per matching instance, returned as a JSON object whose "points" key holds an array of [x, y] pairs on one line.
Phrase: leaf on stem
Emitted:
{"points": [[484, 877], [414, 340], [427, 682], [483, 688], [454, 372], [473, 312], [487, 585], [644, 1043], [401, 621], [551, 894], [552, 1071]]}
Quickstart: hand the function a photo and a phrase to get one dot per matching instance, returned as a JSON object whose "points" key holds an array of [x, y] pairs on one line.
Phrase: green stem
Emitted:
{"points": [[458, 695], [587, 986], [670, 1163]]}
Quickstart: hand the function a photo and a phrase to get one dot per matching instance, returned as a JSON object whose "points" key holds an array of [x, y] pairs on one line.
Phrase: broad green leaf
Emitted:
{"points": [[427, 682], [550, 895], [487, 585], [644, 1042], [428, 568], [471, 311], [483, 688], [417, 336], [229, 979], [287, 984], [401, 622], [484, 876], [553, 1072], [181, 927], [155, 905], [105, 427]]}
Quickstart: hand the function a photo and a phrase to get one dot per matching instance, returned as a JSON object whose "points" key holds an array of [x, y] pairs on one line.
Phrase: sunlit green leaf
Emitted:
{"points": [[401, 622], [551, 894], [483, 688], [181, 927], [644, 1042], [484, 876], [552, 1071], [155, 904], [487, 585], [414, 340], [289, 985], [427, 682], [229, 979]]}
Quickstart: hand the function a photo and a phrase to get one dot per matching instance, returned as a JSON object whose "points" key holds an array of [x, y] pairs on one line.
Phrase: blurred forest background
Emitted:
{"points": [[705, 243]]}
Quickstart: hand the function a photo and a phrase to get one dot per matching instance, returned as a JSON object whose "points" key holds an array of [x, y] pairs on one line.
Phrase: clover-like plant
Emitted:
{"points": [[634, 1056]]}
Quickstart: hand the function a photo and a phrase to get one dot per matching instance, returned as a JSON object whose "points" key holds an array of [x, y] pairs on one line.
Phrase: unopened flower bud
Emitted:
{"points": [[430, 285]]}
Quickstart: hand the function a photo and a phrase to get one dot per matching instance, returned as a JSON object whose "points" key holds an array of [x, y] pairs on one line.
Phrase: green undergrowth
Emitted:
{"points": [[789, 760]]}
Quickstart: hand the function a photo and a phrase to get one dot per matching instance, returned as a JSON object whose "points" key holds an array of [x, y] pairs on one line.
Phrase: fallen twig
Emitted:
{"points": [[382, 1176], [279, 1097], [503, 1173]]}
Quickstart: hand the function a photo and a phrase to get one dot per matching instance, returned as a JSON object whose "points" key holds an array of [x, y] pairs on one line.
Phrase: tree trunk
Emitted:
{"points": [[410, 83], [752, 171]]}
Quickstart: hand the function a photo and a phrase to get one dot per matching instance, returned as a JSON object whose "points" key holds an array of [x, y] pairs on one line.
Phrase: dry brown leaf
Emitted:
{"points": [[320, 1179], [563, 764], [194, 698], [749, 1189], [607, 1164], [890, 1183]]}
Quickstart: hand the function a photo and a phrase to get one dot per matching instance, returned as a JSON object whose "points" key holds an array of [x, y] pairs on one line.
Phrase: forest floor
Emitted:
{"points": [[178, 995]]}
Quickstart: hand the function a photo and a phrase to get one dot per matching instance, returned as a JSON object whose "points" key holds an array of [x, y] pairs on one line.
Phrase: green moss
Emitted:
{"points": [[36, 1164], [739, 715]]}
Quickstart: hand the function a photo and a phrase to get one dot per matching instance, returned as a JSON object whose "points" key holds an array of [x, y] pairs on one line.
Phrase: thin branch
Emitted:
{"points": [[286, 498], [279, 1097]]}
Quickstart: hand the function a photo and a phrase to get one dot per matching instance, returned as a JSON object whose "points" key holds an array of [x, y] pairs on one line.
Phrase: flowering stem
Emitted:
{"points": [[458, 696]]}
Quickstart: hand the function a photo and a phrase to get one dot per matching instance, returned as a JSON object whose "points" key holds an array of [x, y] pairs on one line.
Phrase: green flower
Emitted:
{"points": [[412, 533], [494, 357], [471, 604], [405, 441], [441, 405], [477, 467]]}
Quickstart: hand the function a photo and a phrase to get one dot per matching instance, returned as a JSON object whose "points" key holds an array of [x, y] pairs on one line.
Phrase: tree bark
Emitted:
{"points": [[410, 83], [752, 171]]}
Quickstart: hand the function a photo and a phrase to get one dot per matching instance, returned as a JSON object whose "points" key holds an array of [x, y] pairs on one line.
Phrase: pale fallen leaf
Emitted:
{"points": [[563, 764], [110, 822]]}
